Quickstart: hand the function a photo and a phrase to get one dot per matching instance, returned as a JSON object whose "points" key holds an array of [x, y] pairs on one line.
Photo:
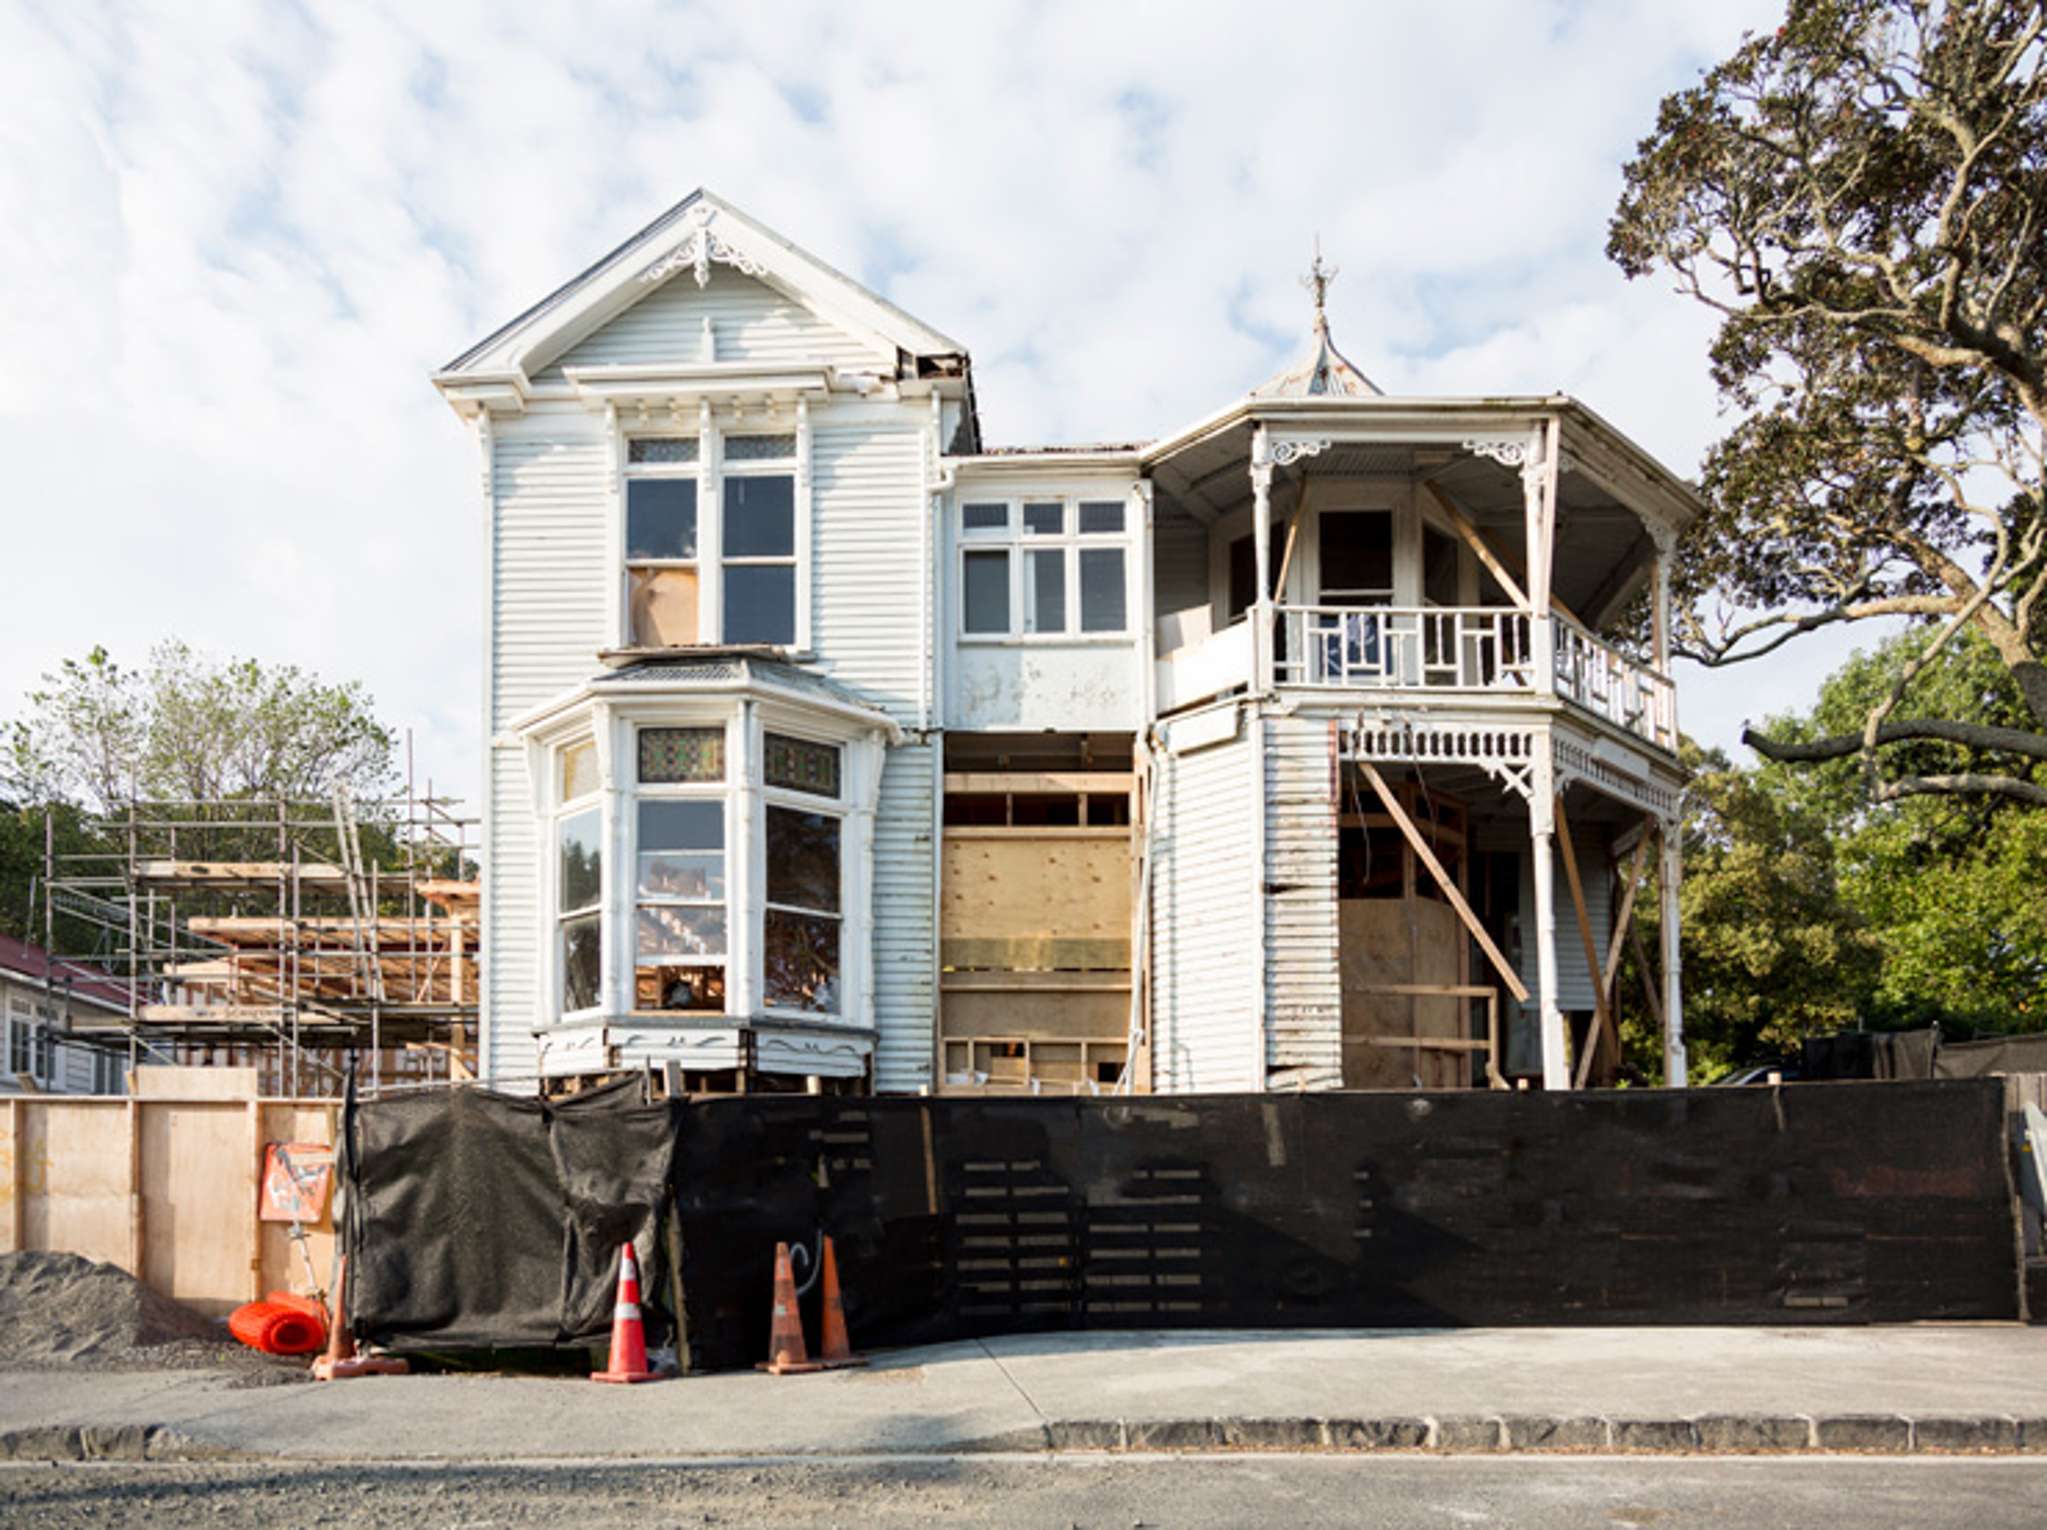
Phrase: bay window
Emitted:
{"points": [[1044, 567]]}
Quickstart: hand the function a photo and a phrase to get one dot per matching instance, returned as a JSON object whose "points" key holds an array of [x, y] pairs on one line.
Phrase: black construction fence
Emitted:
{"points": [[483, 1219]]}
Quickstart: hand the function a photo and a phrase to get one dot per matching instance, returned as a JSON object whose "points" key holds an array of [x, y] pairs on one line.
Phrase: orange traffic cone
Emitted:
{"points": [[835, 1351], [628, 1333], [343, 1359], [786, 1354]]}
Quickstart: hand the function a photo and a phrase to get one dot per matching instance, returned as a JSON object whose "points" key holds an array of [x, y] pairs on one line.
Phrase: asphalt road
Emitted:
{"points": [[1061, 1492]]}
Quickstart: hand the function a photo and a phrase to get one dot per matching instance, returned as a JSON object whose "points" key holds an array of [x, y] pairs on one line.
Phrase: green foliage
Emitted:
{"points": [[1807, 908], [1862, 196], [190, 728]]}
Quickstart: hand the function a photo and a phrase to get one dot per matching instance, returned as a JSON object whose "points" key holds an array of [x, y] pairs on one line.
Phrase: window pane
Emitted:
{"points": [[580, 963], [1101, 589], [682, 754], [1357, 551], [582, 861], [987, 592], [697, 989], [984, 517], [696, 825], [660, 518], [1101, 516], [800, 765], [681, 850], [760, 517], [759, 448], [664, 607], [579, 770], [1047, 594], [760, 604], [662, 449], [801, 962], [669, 933], [1044, 520], [803, 859]]}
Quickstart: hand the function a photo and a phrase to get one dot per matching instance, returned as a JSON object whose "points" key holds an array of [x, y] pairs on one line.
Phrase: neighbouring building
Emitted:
{"points": [[43, 999], [1322, 743]]}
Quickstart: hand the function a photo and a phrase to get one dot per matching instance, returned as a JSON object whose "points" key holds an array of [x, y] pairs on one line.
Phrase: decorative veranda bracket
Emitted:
{"points": [[1288, 450], [696, 252]]}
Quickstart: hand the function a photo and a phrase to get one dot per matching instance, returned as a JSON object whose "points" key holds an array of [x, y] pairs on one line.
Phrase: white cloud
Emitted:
{"points": [[239, 236]]}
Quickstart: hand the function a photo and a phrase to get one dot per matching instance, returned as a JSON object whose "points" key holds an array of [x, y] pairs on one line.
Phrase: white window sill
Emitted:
{"points": [[1047, 640]]}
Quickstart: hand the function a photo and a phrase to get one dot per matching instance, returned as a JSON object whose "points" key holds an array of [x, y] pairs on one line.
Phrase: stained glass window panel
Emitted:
{"points": [[769, 448], [798, 765], [662, 449], [672, 755]]}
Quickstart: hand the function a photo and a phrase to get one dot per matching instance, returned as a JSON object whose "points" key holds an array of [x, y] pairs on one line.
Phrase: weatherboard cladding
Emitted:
{"points": [[1304, 996], [1204, 1036], [750, 321], [1179, 559], [1574, 978], [548, 579], [866, 572], [904, 936]]}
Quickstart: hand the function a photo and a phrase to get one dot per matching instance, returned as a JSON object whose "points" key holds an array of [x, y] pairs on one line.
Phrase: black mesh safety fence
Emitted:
{"points": [[485, 1220], [961, 1218]]}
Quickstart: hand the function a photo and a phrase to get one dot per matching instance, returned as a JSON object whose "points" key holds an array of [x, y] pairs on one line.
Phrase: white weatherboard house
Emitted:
{"points": [[830, 748]]}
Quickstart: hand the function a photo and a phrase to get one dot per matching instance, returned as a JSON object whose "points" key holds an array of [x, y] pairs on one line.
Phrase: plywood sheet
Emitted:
{"points": [[74, 1178], [199, 1203], [664, 607]]}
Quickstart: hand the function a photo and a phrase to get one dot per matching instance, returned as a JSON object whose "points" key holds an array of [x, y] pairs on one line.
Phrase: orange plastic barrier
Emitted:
{"points": [[280, 1324]]}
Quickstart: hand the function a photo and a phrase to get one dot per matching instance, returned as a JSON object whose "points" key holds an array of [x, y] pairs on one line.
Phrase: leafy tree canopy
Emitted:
{"points": [[189, 728], [1862, 197]]}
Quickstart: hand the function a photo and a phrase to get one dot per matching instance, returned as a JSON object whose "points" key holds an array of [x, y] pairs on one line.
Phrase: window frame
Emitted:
{"points": [[835, 807], [725, 792], [764, 467], [709, 472], [1021, 545], [561, 808]]}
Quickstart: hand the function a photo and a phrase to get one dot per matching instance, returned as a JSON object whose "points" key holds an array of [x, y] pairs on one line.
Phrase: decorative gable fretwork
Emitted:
{"points": [[699, 247]]}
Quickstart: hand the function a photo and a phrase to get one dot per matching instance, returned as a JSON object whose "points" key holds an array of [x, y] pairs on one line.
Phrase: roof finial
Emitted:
{"points": [[1317, 282]]}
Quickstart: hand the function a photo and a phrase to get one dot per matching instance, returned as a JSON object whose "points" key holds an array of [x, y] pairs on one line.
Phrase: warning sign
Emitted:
{"points": [[296, 1178]]}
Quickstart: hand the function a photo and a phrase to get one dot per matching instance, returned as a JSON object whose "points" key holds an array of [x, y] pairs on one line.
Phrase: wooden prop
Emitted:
{"points": [[1602, 1016], [1451, 895]]}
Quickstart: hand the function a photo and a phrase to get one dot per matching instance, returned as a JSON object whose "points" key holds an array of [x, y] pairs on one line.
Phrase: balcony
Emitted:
{"points": [[1467, 651]]}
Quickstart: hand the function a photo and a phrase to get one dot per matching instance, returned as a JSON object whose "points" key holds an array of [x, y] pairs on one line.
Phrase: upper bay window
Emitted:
{"points": [[732, 577], [1044, 567]]}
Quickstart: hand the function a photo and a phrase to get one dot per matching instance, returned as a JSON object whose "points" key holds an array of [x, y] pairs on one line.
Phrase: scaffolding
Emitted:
{"points": [[261, 932]]}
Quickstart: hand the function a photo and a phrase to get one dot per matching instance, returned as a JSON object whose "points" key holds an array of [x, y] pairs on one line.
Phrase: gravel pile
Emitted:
{"points": [[66, 1311]]}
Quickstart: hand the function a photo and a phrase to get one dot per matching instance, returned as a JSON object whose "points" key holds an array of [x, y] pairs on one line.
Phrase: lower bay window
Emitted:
{"points": [[732, 898]]}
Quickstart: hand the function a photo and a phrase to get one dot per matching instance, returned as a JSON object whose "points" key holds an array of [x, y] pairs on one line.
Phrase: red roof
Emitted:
{"points": [[94, 985]]}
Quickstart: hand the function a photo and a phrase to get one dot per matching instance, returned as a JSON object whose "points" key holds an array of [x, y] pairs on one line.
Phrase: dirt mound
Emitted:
{"points": [[65, 1310]]}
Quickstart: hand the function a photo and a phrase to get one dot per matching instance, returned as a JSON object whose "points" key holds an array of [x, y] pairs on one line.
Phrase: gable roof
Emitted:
{"points": [[685, 241]]}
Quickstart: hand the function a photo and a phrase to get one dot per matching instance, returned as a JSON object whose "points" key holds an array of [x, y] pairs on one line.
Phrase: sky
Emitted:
{"points": [[235, 239]]}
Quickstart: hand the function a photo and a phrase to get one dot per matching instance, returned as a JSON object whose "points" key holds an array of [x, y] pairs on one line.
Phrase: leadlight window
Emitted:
{"points": [[760, 448], [801, 924], [681, 755], [662, 449], [799, 765], [662, 573]]}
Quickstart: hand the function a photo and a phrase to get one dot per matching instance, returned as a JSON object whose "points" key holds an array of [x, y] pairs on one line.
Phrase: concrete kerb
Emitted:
{"points": [[1706, 1434], [1494, 1434]]}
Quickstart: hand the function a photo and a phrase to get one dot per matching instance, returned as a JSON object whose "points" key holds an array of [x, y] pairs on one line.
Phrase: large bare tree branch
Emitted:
{"points": [[1841, 745]]}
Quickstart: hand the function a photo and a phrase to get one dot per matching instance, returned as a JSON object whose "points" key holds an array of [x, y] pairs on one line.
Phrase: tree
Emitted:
{"points": [[1862, 197], [1772, 953], [190, 728], [1947, 887]]}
